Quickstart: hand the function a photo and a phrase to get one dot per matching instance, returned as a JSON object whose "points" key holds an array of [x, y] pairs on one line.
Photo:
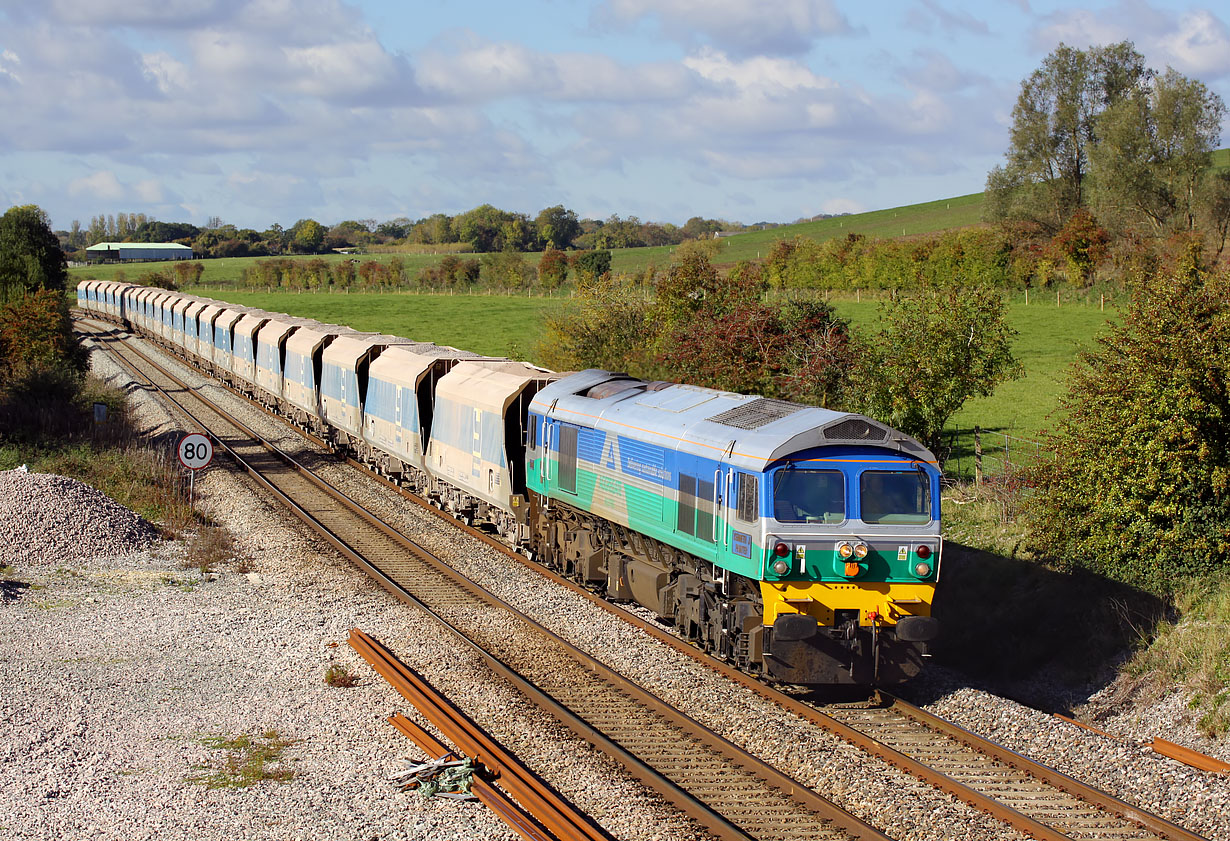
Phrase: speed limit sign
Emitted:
{"points": [[195, 451]]}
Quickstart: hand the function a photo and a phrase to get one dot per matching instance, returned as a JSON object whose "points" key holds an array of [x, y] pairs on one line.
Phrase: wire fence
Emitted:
{"points": [[987, 454]]}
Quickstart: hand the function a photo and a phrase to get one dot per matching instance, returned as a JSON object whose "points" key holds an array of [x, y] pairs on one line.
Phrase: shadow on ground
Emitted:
{"points": [[1045, 638]]}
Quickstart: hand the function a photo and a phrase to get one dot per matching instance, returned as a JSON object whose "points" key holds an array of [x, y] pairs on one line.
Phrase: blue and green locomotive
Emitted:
{"points": [[800, 543]]}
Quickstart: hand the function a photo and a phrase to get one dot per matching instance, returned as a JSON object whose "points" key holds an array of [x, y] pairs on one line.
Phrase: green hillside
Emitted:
{"points": [[908, 220]]}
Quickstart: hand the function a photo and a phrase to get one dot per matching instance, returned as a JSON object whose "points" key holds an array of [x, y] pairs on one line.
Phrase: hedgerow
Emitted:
{"points": [[1139, 489]]}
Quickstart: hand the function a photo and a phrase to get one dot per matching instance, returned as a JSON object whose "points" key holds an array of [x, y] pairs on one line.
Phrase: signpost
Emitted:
{"points": [[196, 451]]}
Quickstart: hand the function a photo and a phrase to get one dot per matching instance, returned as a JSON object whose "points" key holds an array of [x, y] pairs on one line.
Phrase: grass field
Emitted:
{"points": [[1048, 340], [496, 325]]}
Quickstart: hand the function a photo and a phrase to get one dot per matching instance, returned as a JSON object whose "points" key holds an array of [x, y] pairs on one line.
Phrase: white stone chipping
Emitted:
{"points": [[46, 518]]}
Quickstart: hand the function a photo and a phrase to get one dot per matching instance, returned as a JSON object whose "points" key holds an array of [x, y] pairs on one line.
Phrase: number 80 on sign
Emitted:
{"points": [[195, 451]]}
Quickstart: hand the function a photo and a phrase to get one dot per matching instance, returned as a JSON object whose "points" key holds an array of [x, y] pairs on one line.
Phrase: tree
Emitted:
{"points": [[692, 284], [506, 269], [591, 264], [604, 326], [307, 236], [557, 227], [1083, 244], [792, 351], [552, 268], [30, 254], [1215, 207], [488, 228], [36, 331], [1054, 128], [1155, 148], [1138, 488], [933, 352]]}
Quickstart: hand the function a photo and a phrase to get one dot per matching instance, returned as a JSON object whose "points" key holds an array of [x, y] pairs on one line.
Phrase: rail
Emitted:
{"points": [[545, 805]]}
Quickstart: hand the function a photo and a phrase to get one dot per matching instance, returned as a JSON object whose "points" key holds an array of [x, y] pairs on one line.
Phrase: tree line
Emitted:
{"points": [[485, 229]]}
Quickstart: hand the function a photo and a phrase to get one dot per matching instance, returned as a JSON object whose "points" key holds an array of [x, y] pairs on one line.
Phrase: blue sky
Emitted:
{"points": [[263, 111]]}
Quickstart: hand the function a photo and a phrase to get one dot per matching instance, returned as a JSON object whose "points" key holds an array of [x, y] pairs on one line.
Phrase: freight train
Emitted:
{"points": [[802, 545]]}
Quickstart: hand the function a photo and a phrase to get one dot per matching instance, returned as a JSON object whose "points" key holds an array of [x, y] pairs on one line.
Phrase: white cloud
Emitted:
{"points": [[1199, 45], [9, 62], [1195, 42], [102, 186], [838, 205], [170, 76], [467, 68], [740, 27], [149, 190]]}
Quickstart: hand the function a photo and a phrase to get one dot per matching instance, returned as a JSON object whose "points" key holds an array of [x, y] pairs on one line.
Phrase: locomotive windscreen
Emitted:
{"points": [[893, 497]]}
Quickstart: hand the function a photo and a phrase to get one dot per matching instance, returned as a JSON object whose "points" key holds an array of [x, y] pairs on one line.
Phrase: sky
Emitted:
{"points": [[271, 111]]}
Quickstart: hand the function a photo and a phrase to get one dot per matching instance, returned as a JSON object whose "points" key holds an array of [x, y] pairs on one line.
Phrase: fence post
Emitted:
{"points": [[977, 455]]}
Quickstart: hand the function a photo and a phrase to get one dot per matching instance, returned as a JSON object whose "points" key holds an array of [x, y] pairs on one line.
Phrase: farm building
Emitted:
{"points": [[124, 251]]}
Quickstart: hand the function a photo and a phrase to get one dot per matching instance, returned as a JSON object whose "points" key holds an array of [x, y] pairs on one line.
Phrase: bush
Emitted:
{"points": [[1139, 489], [934, 351]]}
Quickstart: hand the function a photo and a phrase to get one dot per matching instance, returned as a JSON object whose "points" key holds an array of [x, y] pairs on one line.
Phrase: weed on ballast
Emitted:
{"points": [[210, 546], [1193, 651], [248, 761], [339, 675]]}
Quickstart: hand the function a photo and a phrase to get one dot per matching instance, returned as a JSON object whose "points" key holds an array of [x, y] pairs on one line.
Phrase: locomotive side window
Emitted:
{"points": [[687, 504], [896, 498], [568, 459], [809, 496], [746, 497], [695, 507]]}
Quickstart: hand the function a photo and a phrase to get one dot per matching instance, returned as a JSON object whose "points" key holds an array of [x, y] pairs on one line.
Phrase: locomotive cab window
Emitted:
{"points": [[895, 497], [809, 496]]}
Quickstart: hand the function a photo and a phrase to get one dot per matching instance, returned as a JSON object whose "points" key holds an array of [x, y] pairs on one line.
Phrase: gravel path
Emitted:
{"points": [[116, 674]]}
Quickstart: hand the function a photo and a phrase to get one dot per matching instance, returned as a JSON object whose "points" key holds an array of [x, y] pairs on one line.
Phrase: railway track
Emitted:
{"points": [[1012, 788]]}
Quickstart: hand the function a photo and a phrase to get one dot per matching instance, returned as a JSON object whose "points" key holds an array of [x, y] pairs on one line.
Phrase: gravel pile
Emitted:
{"points": [[110, 699], [49, 519]]}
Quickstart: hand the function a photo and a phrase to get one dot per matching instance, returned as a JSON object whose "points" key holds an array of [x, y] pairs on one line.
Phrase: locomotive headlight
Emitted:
{"points": [[781, 567], [860, 550], [845, 550], [924, 551], [922, 569], [781, 550]]}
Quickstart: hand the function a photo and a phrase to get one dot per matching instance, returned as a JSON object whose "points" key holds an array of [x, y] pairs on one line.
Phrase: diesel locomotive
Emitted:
{"points": [[802, 545]]}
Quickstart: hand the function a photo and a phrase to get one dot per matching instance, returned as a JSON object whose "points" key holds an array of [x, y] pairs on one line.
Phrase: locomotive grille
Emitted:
{"points": [[756, 413], [855, 429]]}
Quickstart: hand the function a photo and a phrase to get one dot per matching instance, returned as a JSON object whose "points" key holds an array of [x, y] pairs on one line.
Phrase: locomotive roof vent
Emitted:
{"points": [[611, 388], [855, 429], [756, 413]]}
